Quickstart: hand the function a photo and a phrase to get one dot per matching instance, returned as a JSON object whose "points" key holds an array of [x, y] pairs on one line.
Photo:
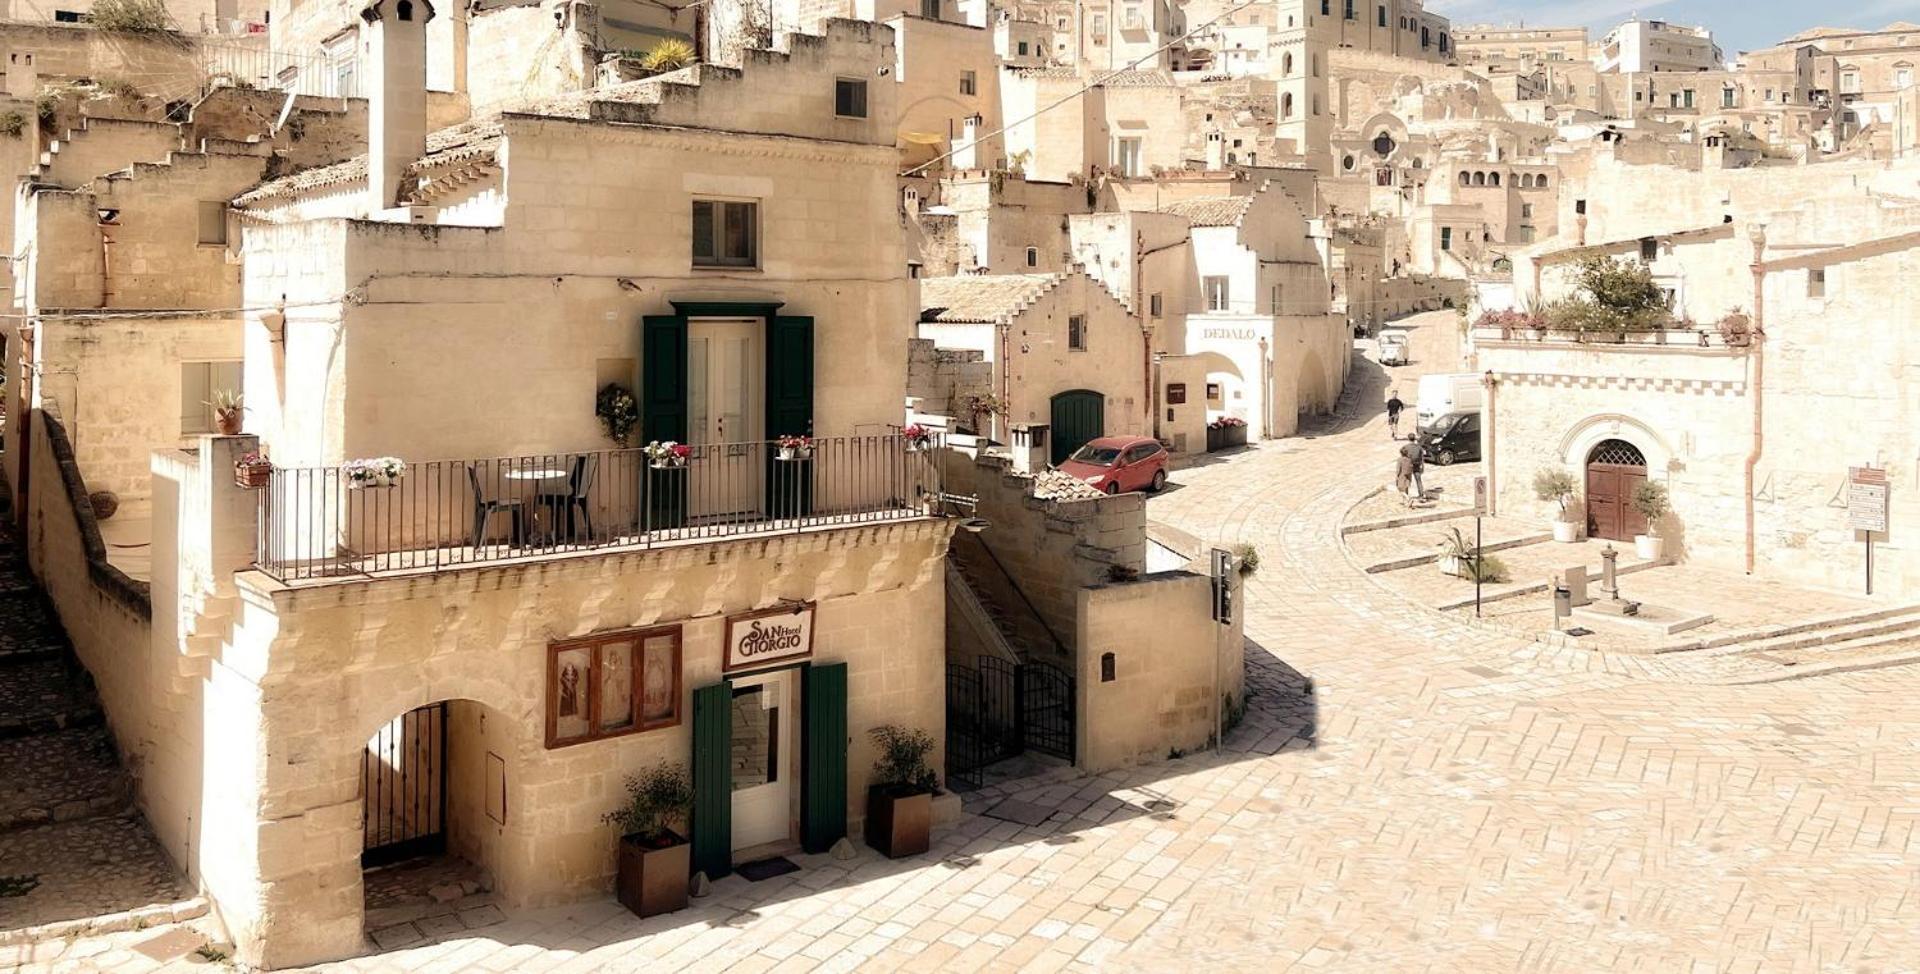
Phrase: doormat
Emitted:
{"points": [[760, 869]]}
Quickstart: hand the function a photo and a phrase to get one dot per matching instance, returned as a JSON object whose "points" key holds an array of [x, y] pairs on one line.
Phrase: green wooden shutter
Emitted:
{"points": [[823, 805], [789, 411], [713, 780], [663, 378], [663, 414]]}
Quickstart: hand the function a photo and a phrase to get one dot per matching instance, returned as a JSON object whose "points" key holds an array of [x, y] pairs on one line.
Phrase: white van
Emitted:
{"points": [[1394, 346], [1440, 395]]}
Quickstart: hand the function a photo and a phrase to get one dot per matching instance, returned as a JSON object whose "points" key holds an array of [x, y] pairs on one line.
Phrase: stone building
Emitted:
{"points": [[1503, 50], [1064, 352], [1752, 408], [1637, 46]]}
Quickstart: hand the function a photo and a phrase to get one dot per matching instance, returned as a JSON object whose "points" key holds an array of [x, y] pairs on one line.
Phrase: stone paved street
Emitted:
{"points": [[1407, 793]]}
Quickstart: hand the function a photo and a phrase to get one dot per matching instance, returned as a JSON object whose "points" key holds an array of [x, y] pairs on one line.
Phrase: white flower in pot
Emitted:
{"points": [[1556, 484], [1650, 500]]}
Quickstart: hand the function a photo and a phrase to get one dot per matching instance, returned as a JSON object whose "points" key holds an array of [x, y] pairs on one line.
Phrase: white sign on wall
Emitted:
{"points": [[779, 635], [1867, 499]]}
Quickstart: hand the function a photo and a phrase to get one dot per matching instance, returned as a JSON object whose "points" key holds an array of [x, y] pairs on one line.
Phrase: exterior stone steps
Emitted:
{"points": [[61, 777], [84, 868], [45, 696], [996, 612], [1905, 626], [1812, 632], [1845, 656]]}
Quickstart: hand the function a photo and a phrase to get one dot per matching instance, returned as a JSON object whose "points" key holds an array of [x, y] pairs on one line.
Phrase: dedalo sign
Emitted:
{"points": [[770, 636]]}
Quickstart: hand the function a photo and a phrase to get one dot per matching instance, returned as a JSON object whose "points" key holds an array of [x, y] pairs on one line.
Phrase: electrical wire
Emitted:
{"points": [[1089, 86]]}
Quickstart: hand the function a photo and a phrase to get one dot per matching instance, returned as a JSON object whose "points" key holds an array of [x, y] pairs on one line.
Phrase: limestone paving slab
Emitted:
{"points": [[60, 777], [84, 868]]}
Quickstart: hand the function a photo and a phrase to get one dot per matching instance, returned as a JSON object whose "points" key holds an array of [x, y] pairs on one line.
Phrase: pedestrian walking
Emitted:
{"points": [[1403, 477], [1394, 406], [1416, 467]]}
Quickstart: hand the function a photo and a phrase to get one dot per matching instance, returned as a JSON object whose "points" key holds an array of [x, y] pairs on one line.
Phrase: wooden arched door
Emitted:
{"points": [[1078, 416], [1614, 469]]}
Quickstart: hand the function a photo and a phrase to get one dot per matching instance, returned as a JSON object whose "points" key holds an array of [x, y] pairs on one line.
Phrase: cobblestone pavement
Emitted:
{"points": [[1407, 793]]}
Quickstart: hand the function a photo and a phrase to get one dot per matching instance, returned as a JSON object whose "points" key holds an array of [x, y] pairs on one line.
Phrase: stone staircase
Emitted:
{"points": [[76, 856], [1870, 639]]}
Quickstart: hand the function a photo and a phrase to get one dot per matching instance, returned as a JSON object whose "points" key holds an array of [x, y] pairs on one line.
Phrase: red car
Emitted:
{"points": [[1120, 463]]}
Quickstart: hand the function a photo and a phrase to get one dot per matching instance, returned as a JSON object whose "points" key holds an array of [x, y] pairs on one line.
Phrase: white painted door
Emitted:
{"points": [[724, 416], [762, 759]]}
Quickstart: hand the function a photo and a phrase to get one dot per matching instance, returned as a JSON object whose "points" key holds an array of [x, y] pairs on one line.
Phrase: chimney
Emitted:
{"points": [[396, 45], [23, 80], [1216, 146], [966, 151]]}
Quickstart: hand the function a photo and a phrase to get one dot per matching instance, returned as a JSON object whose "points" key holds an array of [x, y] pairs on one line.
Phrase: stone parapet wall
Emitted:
{"points": [[1175, 670]]}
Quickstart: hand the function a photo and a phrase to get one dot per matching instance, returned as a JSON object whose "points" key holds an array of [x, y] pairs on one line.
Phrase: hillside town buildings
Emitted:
{"points": [[514, 397]]}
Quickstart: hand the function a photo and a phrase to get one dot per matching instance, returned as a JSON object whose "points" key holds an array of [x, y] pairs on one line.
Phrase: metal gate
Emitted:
{"points": [[1078, 416], [997, 709], [1046, 710], [403, 784]]}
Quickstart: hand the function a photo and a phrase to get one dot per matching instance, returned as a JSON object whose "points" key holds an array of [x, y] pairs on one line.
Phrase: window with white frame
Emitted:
{"points": [[725, 233], [1215, 288], [1126, 155], [199, 383]]}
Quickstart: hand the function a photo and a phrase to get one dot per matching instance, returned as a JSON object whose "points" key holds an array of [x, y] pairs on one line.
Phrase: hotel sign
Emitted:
{"points": [[1228, 334], [770, 636]]}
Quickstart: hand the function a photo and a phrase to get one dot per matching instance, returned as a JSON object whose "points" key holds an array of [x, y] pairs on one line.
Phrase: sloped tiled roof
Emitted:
{"points": [[1116, 79], [983, 298], [1054, 485], [1221, 211], [457, 143]]}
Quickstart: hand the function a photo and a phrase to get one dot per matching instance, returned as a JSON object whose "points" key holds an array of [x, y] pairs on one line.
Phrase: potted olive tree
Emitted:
{"points": [[654, 859], [1650, 500], [1556, 484], [900, 796]]}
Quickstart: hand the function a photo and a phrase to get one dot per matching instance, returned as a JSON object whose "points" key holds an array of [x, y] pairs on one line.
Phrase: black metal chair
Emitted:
{"points": [[484, 510], [579, 485]]}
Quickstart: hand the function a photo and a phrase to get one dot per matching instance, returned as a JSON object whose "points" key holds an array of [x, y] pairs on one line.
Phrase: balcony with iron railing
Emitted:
{"points": [[390, 517]]}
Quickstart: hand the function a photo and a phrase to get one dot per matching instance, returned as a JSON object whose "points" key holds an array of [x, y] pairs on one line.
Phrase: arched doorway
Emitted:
{"points": [[1614, 469], [433, 808], [1078, 416]]}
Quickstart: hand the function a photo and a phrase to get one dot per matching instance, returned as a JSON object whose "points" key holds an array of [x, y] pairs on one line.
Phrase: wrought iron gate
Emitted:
{"points": [[996, 709], [1046, 710], [403, 784]]}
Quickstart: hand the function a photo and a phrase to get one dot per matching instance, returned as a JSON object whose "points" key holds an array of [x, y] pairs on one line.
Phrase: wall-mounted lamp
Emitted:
{"points": [[276, 322]]}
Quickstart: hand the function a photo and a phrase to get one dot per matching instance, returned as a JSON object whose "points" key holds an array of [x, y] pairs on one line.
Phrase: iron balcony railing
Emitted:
{"points": [[332, 522]]}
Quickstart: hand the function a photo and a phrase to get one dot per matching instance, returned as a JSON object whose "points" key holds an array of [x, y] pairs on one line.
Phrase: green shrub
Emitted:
{"points": [[657, 799], [134, 16], [671, 54], [903, 759], [13, 125]]}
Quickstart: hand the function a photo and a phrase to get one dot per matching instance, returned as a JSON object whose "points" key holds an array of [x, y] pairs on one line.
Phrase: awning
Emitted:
{"points": [[922, 138]]}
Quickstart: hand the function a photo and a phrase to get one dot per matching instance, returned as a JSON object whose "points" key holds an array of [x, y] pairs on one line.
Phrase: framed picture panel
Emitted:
{"points": [[613, 683]]}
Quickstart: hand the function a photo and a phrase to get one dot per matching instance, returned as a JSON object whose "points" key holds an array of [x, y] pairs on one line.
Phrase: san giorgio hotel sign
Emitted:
{"points": [[783, 634]]}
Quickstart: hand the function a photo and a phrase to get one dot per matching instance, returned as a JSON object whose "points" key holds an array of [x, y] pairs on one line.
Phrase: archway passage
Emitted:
{"points": [[1078, 416], [1615, 468]]}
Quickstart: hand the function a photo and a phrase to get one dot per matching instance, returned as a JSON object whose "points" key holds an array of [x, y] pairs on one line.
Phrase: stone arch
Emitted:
{"points": [[1581, 437], [1286, 105], [1479, 179], [1466, 178], [1540, 181], [1493, 179], [1286, 65]]}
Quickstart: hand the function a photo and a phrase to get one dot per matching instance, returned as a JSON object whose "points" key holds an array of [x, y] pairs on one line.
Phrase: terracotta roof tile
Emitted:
{"points": [[1219, 211], [985, 298]]}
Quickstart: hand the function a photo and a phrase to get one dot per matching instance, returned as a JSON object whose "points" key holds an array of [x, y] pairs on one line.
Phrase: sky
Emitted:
{"points": [[1737, 25]]}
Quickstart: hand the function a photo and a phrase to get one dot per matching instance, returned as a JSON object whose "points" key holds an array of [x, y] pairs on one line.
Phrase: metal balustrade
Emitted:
{"points": [[332, 522]]}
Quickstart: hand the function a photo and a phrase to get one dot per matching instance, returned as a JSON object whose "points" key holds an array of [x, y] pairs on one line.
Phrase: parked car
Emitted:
{"points": [[1394, 346], [1117, 464], [1453, 438]]}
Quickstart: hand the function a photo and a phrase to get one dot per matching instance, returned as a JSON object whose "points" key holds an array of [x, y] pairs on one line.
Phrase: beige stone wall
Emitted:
{"points": [[1041, 365], [1044, 551], [119, 383], [340, 661], [1174, 669], [930, 58], [522, 57]]}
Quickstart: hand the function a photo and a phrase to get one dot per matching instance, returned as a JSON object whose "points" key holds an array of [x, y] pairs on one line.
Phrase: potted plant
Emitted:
{"points": [[668, 455], [1650, 500], [376, 472], [984, 404], [654, 860], [900, 796], [1226, 431], [618, 411], [918, 437], [252, 470], [228, 406], [1556, 484], [796, 447], [1463, 560]]}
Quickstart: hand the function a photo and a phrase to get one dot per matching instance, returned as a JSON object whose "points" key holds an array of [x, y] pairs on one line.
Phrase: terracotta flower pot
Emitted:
{"points": [[653, 879], [228, 423], [899, 823]]}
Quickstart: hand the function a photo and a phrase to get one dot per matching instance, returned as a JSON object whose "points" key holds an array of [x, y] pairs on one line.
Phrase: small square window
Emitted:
{"points": [[1153, 304], [213, 222], [1033, 257], [725, 234], [1077, 332], [967, 82], [1213, 392], [849, 98], [1216, 292], [1817, 282], [1649, 249]]}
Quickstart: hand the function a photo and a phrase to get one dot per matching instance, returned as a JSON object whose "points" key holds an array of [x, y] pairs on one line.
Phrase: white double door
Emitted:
{"points": [[726, 381], [763, 737]]}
